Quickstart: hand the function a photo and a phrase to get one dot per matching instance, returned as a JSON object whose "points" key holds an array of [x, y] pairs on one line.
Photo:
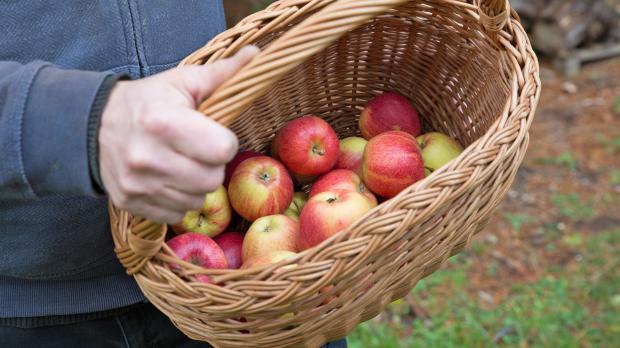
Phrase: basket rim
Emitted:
{"points": [[513, 31]]}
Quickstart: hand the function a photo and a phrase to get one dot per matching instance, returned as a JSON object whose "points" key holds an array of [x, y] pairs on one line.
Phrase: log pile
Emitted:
{"points": [[558, 26]]}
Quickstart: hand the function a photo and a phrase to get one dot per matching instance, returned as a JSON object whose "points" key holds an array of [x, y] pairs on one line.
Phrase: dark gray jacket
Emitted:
{"points": [[56, 252]]}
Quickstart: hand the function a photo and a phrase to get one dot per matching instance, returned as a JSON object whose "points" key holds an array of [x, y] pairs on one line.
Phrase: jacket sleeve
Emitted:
{"points": [[49, 119]]}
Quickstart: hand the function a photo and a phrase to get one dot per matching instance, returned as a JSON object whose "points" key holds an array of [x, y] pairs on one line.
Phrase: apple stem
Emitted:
{"points": [[331, 200], [317, 151], [264, 177], [201, 219]]}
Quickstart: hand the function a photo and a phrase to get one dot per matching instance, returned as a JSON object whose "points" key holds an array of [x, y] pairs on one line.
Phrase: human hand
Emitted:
{"points": [[159, 156]]}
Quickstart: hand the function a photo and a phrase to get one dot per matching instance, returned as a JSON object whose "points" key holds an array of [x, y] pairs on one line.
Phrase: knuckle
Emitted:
{"points": [[172, 217], [138, 160], [214, 179], [155, 122], [130, 187], [197, 202], [226, 150]]}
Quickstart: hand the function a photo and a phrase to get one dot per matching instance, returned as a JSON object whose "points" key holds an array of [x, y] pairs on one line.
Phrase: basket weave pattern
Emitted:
{"points": [[467, 67]]}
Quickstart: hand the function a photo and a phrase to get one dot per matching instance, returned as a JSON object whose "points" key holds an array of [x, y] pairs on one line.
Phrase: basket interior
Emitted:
{"points": [[431, 52]]}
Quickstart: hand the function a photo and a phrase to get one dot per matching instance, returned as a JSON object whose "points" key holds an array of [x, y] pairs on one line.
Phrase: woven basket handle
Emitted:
{"points": [[312, 36]]}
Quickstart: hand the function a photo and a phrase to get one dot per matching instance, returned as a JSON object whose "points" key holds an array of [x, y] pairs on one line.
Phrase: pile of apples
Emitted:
{"points": [[345, 179]]}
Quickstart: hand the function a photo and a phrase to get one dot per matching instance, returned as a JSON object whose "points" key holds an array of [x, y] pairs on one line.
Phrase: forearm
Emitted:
{"points": [[48, 125]]}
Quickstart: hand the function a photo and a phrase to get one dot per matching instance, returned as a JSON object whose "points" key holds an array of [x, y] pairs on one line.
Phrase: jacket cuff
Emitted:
{"points": [[56, 130], [94, 121]]}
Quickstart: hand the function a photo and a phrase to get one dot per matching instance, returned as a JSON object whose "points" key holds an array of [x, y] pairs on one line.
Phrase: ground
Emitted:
{"points": [[544, 272]]}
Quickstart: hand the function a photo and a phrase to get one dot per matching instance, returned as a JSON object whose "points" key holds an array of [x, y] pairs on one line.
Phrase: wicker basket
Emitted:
{"points": [[470, 70]]}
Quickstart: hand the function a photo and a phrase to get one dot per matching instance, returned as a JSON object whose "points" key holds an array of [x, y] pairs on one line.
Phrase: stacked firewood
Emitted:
{"points": [[558, 26]]}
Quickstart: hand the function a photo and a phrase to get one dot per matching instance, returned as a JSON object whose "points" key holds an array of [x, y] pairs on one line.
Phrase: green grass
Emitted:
{"points": [[616, 106], [572, 207], [562, 309], [565, 159], [518, 220], [612, 145], [261, 5], [614, 177]]}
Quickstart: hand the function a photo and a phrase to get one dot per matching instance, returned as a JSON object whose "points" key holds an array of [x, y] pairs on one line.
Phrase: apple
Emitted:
{"points": [[307, 146], [342, 179], [388, 112], [328, 213], [212, 219], [303, 180], [438, 149], [231, 243], [199, 250], [270, 257], [351, 153], [260, 186], [392, 162], [297, 205], [269, 233], [232, 165]]}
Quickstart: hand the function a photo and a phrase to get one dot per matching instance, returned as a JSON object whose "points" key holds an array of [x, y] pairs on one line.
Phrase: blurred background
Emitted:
{"points": [[544, 273]]}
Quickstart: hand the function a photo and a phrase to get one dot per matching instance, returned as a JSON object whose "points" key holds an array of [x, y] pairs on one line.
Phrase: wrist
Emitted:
{"points": [[94, 124]]}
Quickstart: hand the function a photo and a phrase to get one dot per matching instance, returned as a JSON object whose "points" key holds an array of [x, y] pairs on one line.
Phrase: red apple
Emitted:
{"points": [[260, 186], [231, 243], [388, 112], [351, 153], [438, 149], [200, 250], [307, 146], [212, 219], [232, 165], [342, 179], [269, 233], [328, 213], [274, 256], [297, 205], [392, 162]]}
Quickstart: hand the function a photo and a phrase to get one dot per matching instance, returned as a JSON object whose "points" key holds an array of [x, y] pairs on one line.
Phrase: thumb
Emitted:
{"points": [[199, 81]]}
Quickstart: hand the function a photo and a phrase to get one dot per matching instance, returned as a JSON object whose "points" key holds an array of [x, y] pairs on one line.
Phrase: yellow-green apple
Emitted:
{"points": [[232, 165], [342, 179], [438, 149], [231, 243], [328, 213], [268, 258], [392, 162], [269, 233], [351, 153], [307, 146], [212, 219], [260, 186], [297, 205], [386, 112], [199, 250]]}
